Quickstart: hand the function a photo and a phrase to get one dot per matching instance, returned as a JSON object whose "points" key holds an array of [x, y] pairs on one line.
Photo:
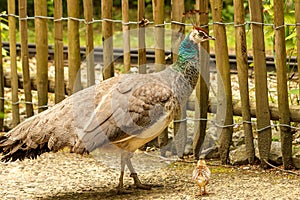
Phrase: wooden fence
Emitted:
{"points": [[263, 112]]}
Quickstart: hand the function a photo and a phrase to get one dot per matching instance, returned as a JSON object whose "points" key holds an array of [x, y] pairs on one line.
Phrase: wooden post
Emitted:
{"points": [[41, 29], [88, 15], [297, 15], [126, 35], [261, 87], [242, 67], [159, 42], [24, 57], [224, 110], [13, 64], [283, 101], [1, 84], [141, 38], [202, 87], [58, 52], [74, 47], [180, 127], [107, 38]]}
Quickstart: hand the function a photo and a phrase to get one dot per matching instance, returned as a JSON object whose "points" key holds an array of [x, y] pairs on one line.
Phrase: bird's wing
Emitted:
{"points": [[133, 108]]}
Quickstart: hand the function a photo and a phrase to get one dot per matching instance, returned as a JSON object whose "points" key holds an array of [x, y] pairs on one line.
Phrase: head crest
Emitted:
{"points": [[193, 17]]}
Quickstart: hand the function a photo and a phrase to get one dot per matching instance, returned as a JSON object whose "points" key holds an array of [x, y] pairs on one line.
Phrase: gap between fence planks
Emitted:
{"points": [[13, 62], [25, 57]]}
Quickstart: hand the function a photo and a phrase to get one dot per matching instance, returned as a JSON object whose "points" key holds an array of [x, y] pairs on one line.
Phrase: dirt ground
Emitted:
{"points": [[69, 176]]}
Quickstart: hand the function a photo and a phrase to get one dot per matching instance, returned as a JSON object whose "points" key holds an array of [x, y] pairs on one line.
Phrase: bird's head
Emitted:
{"points": [[201, 162], [199, 35]]}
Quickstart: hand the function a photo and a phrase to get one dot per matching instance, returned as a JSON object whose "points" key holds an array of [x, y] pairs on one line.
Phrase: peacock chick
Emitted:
{"points": [[201, 176]]}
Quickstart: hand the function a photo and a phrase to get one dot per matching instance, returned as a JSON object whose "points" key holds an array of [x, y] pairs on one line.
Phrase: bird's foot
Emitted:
{"points": [[202, 193], [142, 186]]}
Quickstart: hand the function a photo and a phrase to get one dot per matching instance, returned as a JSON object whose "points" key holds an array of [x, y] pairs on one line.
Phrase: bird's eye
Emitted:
{"points": [[200, 34]]}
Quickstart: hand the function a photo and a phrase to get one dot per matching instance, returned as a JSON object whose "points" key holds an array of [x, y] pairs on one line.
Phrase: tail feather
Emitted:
{"points": [[50, 130]]}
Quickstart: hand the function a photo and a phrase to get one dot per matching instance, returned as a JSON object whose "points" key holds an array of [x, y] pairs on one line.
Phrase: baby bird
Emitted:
{"points": [[201, 175]]}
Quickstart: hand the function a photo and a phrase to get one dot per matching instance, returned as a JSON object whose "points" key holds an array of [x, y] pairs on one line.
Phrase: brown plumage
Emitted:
{"points": [[124, 112], [201, 176]]}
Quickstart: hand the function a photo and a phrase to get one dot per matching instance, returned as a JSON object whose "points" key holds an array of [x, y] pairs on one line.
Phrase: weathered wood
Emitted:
{"points": [[126, 35], [58, 52], [141, 38], [242, 67], [41, 29], [297, 15], [107, 33], [88, 15], [13, 62], [74, 47], [224, 113], [25, 57], [1, 83], [261, 88], [282, 89], [159, 43], [180, 128], [202, 87]]}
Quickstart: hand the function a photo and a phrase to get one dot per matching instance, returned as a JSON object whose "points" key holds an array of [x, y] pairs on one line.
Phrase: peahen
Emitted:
{"points": [[124, 112]]}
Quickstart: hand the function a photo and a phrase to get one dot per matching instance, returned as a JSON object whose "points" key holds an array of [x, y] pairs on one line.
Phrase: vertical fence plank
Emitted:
{"points": [[159, 43], [242, 67], [58, 52], [88, 15], [107, 38], [73, 47], [261, 87], [126, 35], [1, 84], [24, 57], [202, 87], [283, 101], [297, 15], [224, 109], [141, 38], [41, 29], [13, 64], [180, 127]]}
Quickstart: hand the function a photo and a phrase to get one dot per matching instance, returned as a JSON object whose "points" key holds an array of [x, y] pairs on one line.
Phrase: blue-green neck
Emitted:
{"points": [[188, 62], [188, 52]]}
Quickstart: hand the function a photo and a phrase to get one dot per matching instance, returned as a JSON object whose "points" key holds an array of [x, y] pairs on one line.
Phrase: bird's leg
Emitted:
{"points": [[204, 192], [134, 175], [200, 191], [120, 188]]}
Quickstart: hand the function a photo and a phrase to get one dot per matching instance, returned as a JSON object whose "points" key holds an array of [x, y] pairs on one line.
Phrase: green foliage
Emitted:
{"points": [[4, 31]]}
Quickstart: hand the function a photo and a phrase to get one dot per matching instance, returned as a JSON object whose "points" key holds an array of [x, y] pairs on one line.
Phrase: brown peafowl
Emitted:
{"points": [[124, 112]]}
